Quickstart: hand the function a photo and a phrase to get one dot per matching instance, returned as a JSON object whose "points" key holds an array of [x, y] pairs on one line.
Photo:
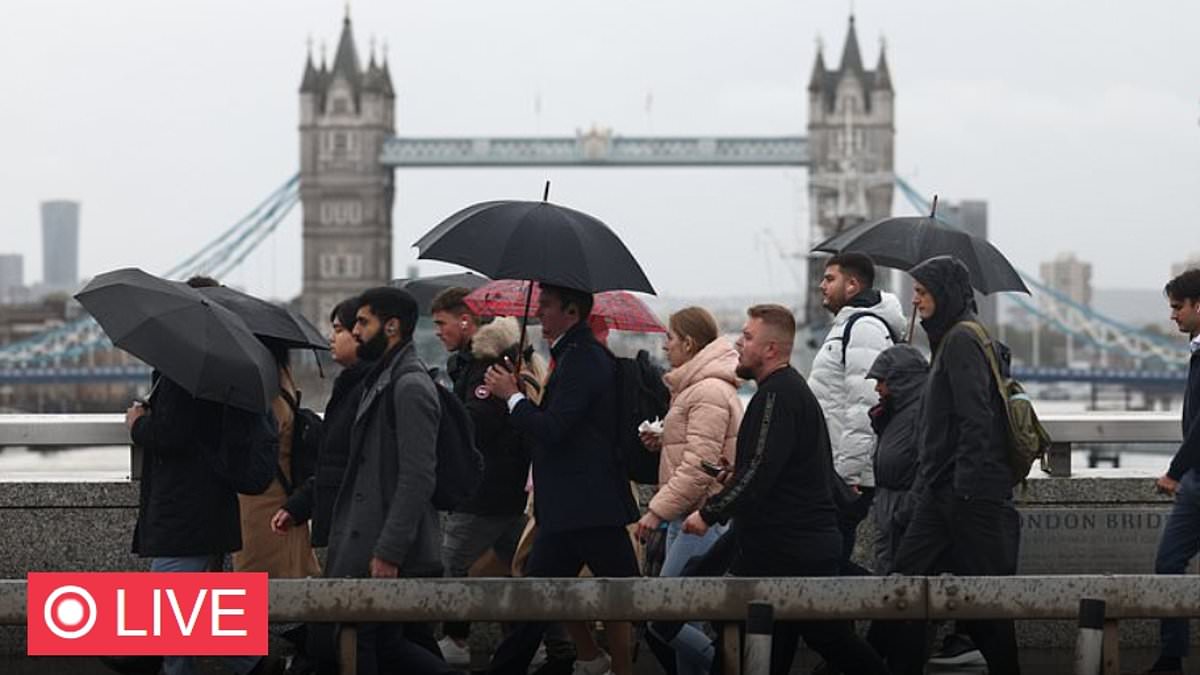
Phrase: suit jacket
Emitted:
{"points": [[579, 481], [384, 506]]}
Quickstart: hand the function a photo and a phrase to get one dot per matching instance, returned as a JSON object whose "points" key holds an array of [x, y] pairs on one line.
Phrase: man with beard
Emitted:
{"points": [[865, 322], [384, 523], [780, 496], [959, 523]]}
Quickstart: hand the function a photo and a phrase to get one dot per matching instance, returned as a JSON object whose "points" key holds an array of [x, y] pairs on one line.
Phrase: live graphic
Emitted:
{"points": [[146, 613]]}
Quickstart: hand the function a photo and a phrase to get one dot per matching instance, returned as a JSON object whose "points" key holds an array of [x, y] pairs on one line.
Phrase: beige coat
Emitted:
{"points": [[701, 425], [290, 555]]}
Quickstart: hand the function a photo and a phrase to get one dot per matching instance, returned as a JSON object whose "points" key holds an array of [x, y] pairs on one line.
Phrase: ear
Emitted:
{"points": [[392, 327]]}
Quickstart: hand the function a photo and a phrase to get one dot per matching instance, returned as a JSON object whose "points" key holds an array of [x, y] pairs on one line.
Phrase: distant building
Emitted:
{"points": [[346, 113], [851, 143], [1070, 276], [60, 245], [1192, 262], [12, 278]]}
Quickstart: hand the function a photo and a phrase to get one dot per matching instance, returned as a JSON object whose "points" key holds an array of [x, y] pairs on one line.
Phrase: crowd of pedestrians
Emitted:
{"points": [[916, 441]]}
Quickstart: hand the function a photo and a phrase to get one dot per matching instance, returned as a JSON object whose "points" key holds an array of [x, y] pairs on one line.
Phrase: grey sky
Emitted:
{"points": [[1077, 121]]}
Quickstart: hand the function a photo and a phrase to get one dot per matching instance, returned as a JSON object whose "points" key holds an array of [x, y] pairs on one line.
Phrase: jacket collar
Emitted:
{"points": [[576, 334]]}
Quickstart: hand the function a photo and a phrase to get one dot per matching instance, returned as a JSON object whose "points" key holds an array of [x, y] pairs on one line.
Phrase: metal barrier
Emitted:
{"points": [[1067, 430], [721, 599]]}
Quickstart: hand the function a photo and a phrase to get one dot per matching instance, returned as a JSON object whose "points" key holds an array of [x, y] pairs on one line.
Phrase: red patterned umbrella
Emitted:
{"points": [[619, 310]]}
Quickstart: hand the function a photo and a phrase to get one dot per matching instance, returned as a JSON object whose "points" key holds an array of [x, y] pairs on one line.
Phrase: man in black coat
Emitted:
{"points": [[495, 516], [1181, 537], [582, 501], [959, 518], [780, 496], [187, 515]]}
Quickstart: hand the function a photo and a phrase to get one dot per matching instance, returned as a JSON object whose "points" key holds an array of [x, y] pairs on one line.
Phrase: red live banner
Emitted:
{"points": [[147, 613]]}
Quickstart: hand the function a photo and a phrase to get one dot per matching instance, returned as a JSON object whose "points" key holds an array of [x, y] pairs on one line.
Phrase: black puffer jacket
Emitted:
{"points": [[184, 509], [314, 499], [505, 453], [965, 421], [897, 418]]}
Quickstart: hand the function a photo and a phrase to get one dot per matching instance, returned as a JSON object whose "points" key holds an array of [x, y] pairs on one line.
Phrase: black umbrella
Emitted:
{"points": [[905, 242], [268, 320], [425, 289], [203, 347], [536, 241]]}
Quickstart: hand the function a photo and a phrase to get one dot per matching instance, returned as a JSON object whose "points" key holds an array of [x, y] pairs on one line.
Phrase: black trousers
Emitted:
{"points": [[967, 537], [385, 648], [835, 641], [607, 551]]}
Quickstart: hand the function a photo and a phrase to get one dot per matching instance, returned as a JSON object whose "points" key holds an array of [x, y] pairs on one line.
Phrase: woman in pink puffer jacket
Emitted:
{"points": [[701, 426]]}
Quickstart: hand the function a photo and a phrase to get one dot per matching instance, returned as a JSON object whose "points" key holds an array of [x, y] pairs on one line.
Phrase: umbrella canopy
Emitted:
{"points": [[619, 310], [539, 241], [203, 347], [425, 289], [268, 320], [905, 242]]}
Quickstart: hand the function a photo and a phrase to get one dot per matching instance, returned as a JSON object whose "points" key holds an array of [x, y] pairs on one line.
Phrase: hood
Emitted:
{"points": [[885, 305], [495, 338], [905, 370], [949, 281], [717, 360]]}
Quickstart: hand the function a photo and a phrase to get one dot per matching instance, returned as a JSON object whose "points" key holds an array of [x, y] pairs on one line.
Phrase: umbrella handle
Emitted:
{"points": [[912, 325], [525, 320]]}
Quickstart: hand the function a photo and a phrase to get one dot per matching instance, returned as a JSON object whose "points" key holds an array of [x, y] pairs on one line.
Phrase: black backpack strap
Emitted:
{"points": [[850, 325]]}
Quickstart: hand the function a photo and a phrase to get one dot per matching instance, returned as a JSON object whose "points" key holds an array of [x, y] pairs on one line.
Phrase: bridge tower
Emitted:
{"points": [[851, 142], [346, 114]]}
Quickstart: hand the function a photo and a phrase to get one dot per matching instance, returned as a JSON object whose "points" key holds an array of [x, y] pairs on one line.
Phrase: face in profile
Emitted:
{"points": [[923, 301]]}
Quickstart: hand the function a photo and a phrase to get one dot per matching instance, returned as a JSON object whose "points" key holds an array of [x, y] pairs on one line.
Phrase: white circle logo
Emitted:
{"points": [[65, 614]]}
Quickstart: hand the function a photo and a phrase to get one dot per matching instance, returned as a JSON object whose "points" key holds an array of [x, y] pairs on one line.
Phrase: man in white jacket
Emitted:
{"points": [[866, 322]]}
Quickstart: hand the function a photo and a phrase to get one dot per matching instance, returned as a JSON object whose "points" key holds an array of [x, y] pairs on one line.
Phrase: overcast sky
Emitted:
{"points": [[1077, 121]]}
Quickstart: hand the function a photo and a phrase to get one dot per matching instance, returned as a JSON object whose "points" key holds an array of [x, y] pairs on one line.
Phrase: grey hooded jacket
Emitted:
{"points": [[897, 419]]}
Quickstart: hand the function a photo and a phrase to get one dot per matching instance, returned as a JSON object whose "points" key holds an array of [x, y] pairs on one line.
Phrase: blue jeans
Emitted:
{"points": [[693, 650], [1179, 544], [185, 665]]}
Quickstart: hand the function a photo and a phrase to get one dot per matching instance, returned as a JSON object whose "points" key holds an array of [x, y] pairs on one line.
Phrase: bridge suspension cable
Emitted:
{"points": [[1073, 318]]}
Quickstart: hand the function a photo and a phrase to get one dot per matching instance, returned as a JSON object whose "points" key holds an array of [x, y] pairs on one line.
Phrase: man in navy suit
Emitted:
{"points": [[582, 501]]}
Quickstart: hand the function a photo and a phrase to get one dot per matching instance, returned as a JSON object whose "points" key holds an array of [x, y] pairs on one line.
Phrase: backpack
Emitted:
{"points": [[641, 396], [1027, 440], [854, 319], [459, 463], [306, 443], [246, 456]]}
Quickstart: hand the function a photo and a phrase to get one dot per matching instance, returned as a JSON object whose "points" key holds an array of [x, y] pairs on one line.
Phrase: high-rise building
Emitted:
{"points": [[12, 277], [60, 245], [1070, 276], [851, 145], [1192, 262], [346, 114]]}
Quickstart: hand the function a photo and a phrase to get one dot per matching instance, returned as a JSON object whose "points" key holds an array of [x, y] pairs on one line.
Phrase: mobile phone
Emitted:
{"points": [[710, 468]]}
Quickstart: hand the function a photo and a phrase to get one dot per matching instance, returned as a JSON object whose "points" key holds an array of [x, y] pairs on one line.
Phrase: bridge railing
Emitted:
{"points": [[351, 601], [1068, 431]]}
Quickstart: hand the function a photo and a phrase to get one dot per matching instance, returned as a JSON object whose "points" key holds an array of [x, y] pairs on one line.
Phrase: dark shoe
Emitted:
{"points": [[957, 650], [1166, 666], [269, 665]]}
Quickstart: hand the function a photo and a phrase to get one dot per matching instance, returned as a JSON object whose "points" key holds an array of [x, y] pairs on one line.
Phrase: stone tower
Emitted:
{"points": [[851, 135], [346, 114]]}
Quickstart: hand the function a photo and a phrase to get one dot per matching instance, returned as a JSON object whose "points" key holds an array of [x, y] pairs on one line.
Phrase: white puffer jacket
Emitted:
{"points": [[845, 393]]}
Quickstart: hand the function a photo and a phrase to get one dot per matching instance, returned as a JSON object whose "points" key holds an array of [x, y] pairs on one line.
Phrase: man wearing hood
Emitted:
{"points": [[866, 322], [900, 374], [963, 479]]}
